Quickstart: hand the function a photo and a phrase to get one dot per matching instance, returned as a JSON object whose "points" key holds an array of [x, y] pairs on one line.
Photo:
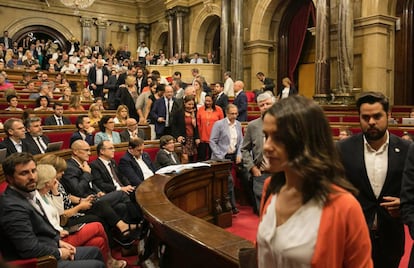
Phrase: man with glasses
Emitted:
{"points": [[132, 131], [225, 142], [16, 132], [136, 165]]}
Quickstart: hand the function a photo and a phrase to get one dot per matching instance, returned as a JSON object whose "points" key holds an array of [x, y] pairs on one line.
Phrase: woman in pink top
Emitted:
{"points": [[309, 218]]}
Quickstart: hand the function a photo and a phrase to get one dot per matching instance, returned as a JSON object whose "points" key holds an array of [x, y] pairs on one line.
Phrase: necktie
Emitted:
{"points": [[60, 123], [167, 121], [114, 176], [41, 144], [172, 158]]}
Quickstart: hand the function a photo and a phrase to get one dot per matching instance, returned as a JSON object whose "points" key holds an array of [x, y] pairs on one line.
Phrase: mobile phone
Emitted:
{"points": [[75, 228]]}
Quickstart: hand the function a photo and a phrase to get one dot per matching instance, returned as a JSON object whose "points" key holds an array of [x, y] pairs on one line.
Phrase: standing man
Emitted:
{"points": [[228, 84], [36, 141], [240, 100], [57, 119], [142, 52], [221, 98], [16, 132], [6, 40], [24, 229], [225, 142], [268, 84], [252, 152], [161, 112], [374, 163], [97, 77]]}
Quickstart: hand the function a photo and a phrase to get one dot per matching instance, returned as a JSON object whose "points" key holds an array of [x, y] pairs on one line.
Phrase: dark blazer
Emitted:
{"points": [[407, 191], [292, 91], [9, 40], [92, 75], [101, 177], [159, 110], [8, 144], [163, 159], [51, 121], [268, 84], [77, 182], [33, 147], [125, 98], [24, 232], [131, 170], [125, 135], [178, 125], [223, 101], [77, 136], [390, 229], [241, 102]]}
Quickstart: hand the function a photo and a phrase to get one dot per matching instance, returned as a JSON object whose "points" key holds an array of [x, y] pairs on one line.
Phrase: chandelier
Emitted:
{"points": [[77, 4]]}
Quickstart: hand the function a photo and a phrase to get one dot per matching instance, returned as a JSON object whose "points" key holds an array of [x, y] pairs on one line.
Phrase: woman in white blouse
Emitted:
{"points": [[309, 218]]}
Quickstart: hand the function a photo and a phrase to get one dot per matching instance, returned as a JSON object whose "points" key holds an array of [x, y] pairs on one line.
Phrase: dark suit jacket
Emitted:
{"points": [[352, 152], [77, 136], [131, 170], [77, 182], [407, 191], [241, 102], [292, 91], [268, 84], [24, 232], [103, 179], [51, 121], [178, 125], [223, 101], [125, 98], [163, 159], [33, 147], [7, 143], [125, 135], [9, 40], [92, 75], [159, 110]]}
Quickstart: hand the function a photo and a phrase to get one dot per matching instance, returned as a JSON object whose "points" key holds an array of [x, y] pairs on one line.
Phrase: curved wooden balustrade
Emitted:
{"points": [[181, 208]]}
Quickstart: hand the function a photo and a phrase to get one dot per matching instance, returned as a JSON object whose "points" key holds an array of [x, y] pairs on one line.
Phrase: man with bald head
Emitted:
{"points": [[162, 112], [132, 131], [97, 77], [240, 100]]}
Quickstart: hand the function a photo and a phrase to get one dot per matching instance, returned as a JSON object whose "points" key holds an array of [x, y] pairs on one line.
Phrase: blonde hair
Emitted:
{"points": [[118, 112], [56, 161], [130, 80], [45, 174]]}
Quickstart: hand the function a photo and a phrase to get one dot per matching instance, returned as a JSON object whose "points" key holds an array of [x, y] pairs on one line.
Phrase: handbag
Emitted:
{"points": [[248, 258]]}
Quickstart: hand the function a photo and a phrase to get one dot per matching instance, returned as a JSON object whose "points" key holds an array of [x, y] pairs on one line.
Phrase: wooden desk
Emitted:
{"points": [[180, 207]]}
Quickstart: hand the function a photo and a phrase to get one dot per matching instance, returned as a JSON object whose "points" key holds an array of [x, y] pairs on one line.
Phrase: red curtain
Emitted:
{"points": [[297, 33]]}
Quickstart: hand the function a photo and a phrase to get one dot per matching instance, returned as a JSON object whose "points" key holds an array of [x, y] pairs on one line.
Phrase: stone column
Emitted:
{"points": [[143, 30], [237, 40], [171, 40], [101, 24], [86, 28], [225, 52], [179, 37], [345, 46], [322, 47]]}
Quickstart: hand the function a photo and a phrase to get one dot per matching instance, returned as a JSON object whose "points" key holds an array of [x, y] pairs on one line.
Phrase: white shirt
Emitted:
{"points": [[59, 120], [168, 107], [196, 61], [142, 51], [106, 164], [285, 93], [146, 171], [99, 74], [18, 146], [376, 163], [228, 87], [233, 137], [292, 244]]}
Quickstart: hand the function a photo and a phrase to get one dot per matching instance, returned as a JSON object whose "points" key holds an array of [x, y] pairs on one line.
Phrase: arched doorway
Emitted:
{"points": [[40, 32]]}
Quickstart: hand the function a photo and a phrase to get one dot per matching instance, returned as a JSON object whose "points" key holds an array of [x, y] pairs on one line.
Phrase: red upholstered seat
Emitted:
{"points": [[250, 96], [60, 136]]}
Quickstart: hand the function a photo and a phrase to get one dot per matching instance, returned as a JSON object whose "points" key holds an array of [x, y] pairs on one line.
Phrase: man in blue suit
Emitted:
{"points": [[225, 142], [25, 231], [136, 165], [240, 100], [161, 112]]}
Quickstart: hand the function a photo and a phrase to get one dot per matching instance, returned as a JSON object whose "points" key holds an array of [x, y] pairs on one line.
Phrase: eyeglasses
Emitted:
{"points": [[85, 150], [109, 148]]}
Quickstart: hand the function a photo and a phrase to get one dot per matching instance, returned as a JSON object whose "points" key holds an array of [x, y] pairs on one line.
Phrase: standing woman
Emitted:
{"points": [[309, 218], [107, 133], [157, 91], [207, 115], [288, 89], [128, 95], [184, 129], [200, 93]]}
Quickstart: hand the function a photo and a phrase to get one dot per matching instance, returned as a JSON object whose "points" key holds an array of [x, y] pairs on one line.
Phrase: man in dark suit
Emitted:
{"points": [[57, 119], [97, 49], [15, 131], [240, 100], [221, 99], [35, 139], [166, 156], [97, 77], [268, 84], [374, 163], [132, 131], [162, 112], [6, 40], [25, 231], [136, 165], [85, 130]]}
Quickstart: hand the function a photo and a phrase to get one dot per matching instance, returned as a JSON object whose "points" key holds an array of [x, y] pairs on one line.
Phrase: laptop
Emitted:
{"points": [[408, 121], [3, 154], [54, 146]]}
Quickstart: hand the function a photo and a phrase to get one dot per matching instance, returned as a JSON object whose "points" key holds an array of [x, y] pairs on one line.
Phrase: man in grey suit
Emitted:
{"points": [[252, 152], [225, 142]]}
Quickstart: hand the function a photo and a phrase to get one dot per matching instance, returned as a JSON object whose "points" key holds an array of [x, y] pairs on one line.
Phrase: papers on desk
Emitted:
{"points": [[179, 168]]}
